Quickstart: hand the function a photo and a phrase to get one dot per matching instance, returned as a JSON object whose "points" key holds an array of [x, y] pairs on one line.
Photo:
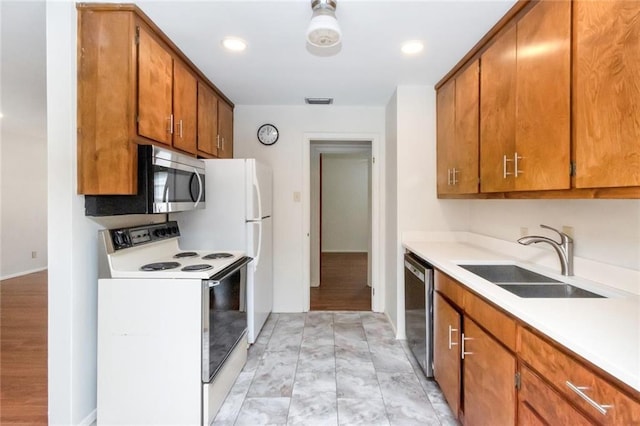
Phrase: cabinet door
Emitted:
{"points": [[446, 351], [465, 149], [184, 108], [489, 379], [225, 127], [543, 97], [497, 113], [207, 120], [606, 93], [446, 121], [155, 79]]}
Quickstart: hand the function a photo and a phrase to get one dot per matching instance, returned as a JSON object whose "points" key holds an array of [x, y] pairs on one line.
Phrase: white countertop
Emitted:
{"points": [[604, 331]]}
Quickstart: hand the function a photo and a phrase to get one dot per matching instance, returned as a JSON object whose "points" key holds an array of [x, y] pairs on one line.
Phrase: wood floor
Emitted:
{"points": [[23, 350], [343, 285]]}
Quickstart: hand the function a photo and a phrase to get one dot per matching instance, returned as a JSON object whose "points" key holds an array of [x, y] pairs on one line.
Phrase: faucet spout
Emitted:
{"points": [[564, 248]]}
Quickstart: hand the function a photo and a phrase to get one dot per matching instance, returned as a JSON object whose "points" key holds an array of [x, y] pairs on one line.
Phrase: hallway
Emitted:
{"points": [[343, 284]]}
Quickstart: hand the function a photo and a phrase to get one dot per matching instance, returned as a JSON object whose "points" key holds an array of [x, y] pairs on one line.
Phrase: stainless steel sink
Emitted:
{"points": [[528, 284]]}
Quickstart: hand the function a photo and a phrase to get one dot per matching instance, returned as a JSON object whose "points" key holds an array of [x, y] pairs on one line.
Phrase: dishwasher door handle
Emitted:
{"points": [[415, 271]]}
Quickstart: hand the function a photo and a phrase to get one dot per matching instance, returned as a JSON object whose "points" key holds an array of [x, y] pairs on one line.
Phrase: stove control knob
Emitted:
{"points": [[174, 230]]}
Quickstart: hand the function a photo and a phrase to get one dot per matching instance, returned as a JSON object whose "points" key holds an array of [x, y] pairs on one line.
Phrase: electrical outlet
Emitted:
{"points": [[524, 231], [568, 230], [34, 254], [296, 196]]}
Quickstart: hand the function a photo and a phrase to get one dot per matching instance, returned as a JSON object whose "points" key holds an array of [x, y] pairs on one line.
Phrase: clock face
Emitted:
{"points": [[268, 134]]}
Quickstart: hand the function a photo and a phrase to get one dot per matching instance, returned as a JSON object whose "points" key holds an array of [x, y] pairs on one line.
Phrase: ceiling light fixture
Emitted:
{"points": [[324, 30], [234, 44], [412, 47]]}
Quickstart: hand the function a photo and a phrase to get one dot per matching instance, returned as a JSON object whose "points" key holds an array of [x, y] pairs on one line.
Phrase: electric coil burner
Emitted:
{"points": [[160, 266], [198, 267], [184, 254], [217, 256]]}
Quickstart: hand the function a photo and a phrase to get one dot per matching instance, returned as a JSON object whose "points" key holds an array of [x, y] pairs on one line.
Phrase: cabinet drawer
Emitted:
{"points": [[564, 371], [496, 322], [536, 396], [449, 287]]}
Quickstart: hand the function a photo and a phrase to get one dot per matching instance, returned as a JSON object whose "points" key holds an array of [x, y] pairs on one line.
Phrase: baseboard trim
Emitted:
{"points": [[90, 419], [20, 274]]}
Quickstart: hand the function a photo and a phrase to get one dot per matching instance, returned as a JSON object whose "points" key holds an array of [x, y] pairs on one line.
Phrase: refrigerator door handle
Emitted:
{"points": [[256, 188], [257, 258]]}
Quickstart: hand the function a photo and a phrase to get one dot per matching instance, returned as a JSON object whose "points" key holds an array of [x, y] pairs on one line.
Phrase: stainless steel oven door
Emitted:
{"points": [[178, 182], [224, 316]]}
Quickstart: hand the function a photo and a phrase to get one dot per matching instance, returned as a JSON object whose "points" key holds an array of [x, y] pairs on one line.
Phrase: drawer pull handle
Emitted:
{"points": [[578, 389], [451, 343]]}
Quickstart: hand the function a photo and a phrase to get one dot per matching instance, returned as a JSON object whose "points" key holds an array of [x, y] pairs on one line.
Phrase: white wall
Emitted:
{"points": [[23, 150], [345, 203], [285, 157], [391, 211]]}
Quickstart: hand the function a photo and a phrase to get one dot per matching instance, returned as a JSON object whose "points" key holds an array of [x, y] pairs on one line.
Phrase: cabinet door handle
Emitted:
{"points": [[180, 125], [218, 141], [516, 157], [451, 342], [504, 166], [579, 390], [170, 129], [454, 172], [223, 143], [448, 176], [463, 352]]}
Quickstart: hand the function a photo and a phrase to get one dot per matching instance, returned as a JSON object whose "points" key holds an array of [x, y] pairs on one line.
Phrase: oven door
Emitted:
{"points": [[178, 182], [224, 316]]}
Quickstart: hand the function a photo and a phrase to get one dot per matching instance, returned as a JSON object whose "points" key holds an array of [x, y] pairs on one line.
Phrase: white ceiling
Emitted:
{"points": [[277, 68]]}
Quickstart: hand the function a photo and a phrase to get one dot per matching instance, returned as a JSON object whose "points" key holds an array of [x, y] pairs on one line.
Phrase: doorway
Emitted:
{"points": [[341, 225]]}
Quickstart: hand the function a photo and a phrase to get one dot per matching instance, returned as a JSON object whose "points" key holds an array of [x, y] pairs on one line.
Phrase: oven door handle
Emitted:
{"points": [[232, 269]]}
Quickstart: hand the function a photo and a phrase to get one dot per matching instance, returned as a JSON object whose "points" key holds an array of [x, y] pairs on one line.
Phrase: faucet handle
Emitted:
{"points": [[564, 238]]}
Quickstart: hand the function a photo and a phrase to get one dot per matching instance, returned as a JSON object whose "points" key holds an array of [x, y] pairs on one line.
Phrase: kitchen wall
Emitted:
{"points": [[286, 159], [391, 212], [23, 152], [345, 203]]}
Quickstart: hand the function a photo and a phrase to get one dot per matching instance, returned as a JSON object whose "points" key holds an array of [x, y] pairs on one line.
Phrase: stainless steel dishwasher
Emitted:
{"points": [[418, 304]]}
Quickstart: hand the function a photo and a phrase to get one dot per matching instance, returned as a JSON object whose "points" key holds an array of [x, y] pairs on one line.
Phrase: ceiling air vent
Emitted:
{"points": [[318, 101]]}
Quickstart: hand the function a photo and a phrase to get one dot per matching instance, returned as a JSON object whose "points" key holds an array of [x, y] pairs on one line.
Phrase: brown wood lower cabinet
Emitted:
{"points": [[556, 387], [489, 379], [446, 356]]}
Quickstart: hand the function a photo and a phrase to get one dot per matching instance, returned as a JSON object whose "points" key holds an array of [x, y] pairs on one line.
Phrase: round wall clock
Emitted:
{"points": [[268, 134]]}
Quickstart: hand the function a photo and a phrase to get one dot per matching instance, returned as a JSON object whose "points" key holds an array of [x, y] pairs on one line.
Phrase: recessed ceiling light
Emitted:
{"points": [[412, 47], [234, 44]]}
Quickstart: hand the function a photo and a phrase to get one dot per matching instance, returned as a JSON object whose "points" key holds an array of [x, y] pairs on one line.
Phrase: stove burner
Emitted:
{"points": [[200, 267], [185, 254], [160, 266], [217, 256]]}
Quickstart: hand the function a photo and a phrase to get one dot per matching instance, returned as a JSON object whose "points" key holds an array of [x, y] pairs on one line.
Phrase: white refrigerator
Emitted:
{"points": [[238, 194]]}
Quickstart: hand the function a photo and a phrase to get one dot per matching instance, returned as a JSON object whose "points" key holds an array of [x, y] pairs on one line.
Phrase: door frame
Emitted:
{"points": [[377, 283]]}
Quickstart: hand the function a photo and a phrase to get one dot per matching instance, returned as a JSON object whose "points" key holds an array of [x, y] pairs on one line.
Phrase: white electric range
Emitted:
{"points": [[172, 327]]}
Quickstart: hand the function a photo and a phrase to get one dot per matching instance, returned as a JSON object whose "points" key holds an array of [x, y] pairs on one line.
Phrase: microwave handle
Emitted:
{"points": [[199, 188]]}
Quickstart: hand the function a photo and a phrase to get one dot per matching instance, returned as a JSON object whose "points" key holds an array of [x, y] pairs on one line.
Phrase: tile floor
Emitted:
{"points": [[332, 368]]}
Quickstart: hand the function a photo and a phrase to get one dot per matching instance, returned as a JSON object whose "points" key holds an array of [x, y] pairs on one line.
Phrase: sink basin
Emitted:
{"points": [[528, 284], [507, 274]]}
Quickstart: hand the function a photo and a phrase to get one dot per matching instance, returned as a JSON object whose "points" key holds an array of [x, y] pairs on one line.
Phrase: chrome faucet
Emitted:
{"points": [[564, 248]]}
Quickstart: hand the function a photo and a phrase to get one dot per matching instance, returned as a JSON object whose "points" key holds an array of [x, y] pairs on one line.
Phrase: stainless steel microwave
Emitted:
{"points": [[167, 182]]}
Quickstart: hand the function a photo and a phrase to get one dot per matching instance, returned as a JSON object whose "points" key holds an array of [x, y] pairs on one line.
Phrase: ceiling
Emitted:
{"points": [[277, 68]]}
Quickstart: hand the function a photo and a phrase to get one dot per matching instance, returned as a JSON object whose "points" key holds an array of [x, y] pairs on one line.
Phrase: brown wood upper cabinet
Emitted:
{"points": [[215, 124], [525, 103], [166, 95], [457, 128], [225, 127], [134, 87], [606, 93]]}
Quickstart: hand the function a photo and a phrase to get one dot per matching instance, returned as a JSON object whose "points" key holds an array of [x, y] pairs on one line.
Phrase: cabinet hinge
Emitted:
{"points": [[137, 35], [517, 381], [572, 168]]}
